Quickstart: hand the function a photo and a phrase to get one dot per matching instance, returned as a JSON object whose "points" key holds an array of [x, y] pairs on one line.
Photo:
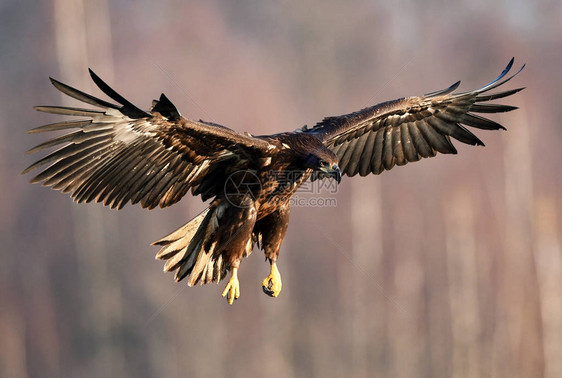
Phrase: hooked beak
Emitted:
{"points": [[333, 171]]}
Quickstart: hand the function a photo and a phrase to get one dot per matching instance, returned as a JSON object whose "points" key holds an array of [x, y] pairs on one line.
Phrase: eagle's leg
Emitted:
{"points": [[272, 229], [234, 239], [272, 284], [232, 289]]}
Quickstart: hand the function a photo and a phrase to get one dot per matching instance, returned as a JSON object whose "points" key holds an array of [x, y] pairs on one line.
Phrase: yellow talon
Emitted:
{"points": [[232, 287], [272, 284]]}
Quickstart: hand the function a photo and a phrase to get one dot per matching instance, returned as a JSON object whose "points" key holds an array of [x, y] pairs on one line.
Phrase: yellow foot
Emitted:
{"points": [[271, 285], [232, 287]]}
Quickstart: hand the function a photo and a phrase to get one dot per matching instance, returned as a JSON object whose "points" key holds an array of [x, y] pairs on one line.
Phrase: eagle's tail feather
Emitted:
{"points": [[188, 252], [180, 238]]}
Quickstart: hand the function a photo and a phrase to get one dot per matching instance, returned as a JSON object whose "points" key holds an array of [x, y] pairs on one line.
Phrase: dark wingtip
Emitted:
{"points": [[94, 76], [517, 90], [453, 149], [28, 169], [98, 80], [511, 63], [165, 107], [40, 108], [57, 84], [128, 108], [444, 91], [507, 68], [498, 80]]}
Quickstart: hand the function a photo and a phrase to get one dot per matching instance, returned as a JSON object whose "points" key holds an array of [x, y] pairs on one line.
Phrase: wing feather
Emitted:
{"points": [[453, 129], [357, 153], [149, 171], [64, 125], [66, 110], [122, 154], [365, 161], [439, 142], [408, 129], [420, 144], [480, 122], [388, 156], [407, 144], [376, 161], [493, 108], [57, 175], [397, 149]]}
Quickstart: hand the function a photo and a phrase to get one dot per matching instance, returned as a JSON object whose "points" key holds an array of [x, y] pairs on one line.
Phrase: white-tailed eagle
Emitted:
{"points": [[118, 153]]}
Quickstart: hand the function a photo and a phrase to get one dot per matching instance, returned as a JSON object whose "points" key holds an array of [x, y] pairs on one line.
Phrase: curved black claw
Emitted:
{"points": [[267, 289]]}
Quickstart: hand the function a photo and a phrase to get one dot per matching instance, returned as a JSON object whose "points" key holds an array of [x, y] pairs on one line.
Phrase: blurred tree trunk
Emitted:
{"points": [[81, 27], [548, 256], [364, 297], [463, 276], [409, 334], [520, 299]]}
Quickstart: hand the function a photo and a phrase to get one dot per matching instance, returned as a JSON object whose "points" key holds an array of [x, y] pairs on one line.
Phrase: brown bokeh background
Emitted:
{"points": [[450, 267]]}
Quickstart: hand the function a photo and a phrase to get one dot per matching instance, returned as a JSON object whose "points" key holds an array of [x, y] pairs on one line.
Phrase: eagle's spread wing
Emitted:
{"points": [[408, 129], [121, 153]]}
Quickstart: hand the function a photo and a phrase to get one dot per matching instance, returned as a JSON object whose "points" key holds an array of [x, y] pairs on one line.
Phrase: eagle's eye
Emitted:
{"points": [[322, 163]]}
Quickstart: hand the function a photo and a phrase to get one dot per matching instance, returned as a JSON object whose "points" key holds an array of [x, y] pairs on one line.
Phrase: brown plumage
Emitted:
{"points": [[118, 154]]}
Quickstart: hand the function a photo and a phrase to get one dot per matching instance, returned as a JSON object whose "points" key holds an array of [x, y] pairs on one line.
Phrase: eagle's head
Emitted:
{"points": [[309, 152], [323, 161], [325, 164]]}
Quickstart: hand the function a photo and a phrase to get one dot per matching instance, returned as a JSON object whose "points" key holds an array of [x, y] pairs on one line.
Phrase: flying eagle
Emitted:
{"points": [[117, 154]]}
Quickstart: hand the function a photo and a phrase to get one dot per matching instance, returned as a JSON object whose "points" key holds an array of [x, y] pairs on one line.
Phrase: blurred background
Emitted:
{"points": [[450, 267]]}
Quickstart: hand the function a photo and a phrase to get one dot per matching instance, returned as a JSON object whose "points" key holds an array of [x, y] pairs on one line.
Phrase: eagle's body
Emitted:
{"points": [[123, 154]]}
